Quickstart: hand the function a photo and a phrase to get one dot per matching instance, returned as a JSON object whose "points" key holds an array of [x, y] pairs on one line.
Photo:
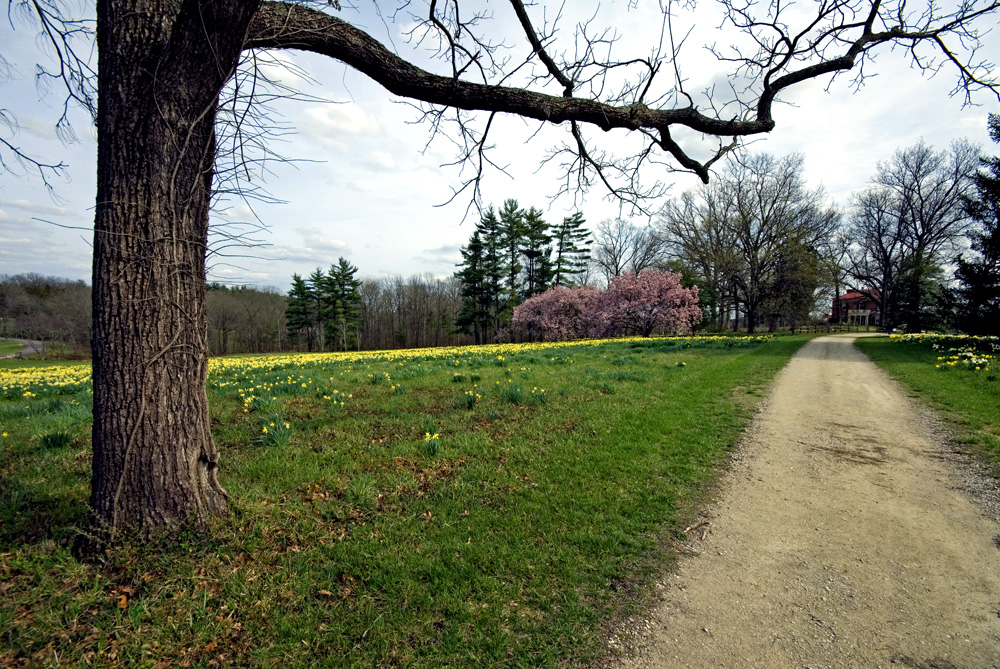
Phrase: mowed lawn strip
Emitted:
{"points": [[968, 398], [542, 511], [8, 346]]}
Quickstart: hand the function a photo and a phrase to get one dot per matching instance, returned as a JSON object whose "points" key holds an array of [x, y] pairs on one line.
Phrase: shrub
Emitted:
{"points": [[633, 304]]}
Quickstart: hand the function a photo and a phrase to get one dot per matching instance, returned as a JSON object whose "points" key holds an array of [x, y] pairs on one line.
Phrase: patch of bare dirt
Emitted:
{"points": [[848, 533]]}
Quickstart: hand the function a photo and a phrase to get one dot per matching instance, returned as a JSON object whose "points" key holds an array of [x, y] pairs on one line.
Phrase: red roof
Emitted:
{"points": [[854, 295]]}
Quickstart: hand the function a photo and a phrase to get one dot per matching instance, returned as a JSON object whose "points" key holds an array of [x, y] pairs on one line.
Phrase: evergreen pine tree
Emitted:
{"points": [[511, 237], [474, 317], [791, 288], [342, 304], [298, 313], [921, 300], [317, 290], [493, 266], [537, 251], [572, 249], [979, 293]]}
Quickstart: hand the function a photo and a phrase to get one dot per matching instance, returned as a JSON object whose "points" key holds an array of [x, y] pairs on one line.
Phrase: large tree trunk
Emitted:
{"points": [[162, 66]]}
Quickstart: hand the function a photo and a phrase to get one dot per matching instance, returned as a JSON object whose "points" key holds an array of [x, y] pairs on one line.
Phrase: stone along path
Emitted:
{"points": [[843, 537]]}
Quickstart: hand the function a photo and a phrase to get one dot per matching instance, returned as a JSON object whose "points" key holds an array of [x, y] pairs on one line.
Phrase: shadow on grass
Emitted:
{"points": [[29, 516]]}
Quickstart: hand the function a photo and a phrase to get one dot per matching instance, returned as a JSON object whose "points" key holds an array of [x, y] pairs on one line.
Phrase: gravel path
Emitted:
{"points": [[846, 535]]}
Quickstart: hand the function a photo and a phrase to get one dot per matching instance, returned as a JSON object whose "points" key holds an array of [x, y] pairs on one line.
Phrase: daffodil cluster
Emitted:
{"points": [[973, 353], [471, 397], [381, 377], [337, 400], [31, 382], [433, 442], [274, 375], [275, 432], [968, 359]]}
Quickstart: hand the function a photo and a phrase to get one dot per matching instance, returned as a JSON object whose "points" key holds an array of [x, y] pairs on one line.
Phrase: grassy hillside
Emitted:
{"points": [[486, 505], [9, 346]]}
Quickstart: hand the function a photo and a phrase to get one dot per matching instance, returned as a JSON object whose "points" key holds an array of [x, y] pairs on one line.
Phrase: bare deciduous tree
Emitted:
{"points": [[695, 231], [410, 313], [163, 67], [741, 228], [772, 208], [912, 215], [621, 247], [930, 188]]}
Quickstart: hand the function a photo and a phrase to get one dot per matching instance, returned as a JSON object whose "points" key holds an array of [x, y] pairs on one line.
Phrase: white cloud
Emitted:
{"points": [[449, 254], [48, 256], [239, 212], [421, 33], [36, 126], [334, 124], [282, 68], [382, 160], [315, 250], [316, 238], [974, 123], [230, 273], [47, 209], [31, 129]]}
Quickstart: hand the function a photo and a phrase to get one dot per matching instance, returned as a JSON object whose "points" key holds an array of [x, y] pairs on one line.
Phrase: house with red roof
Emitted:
{"points": [[856, 307]]}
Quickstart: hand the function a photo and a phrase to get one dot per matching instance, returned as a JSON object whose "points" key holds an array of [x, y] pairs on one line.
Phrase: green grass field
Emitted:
{"points": [[959, 378], [492, 506], [8, 346]]}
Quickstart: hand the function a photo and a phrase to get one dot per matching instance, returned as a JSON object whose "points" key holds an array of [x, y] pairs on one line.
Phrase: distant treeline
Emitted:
{"points": [[411, 313], [333, 311], [46, 308], [394, 312], [242, 319], [384, 313]]}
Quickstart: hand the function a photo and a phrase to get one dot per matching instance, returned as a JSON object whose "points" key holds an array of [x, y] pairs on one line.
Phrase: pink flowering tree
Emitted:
{"points": [[641, 304], [632, 304], [559, 314]]}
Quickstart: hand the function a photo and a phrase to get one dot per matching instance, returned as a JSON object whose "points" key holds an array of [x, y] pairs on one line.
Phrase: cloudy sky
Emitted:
{"points": [[366, 184]]}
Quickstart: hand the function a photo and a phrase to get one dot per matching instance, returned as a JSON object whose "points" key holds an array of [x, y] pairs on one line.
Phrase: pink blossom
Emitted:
{"points": [[559, 314], [633, 304], [641, 304]]}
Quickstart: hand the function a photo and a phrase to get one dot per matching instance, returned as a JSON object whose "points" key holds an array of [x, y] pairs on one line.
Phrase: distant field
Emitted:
{"points": [[958, 376], [8, 346], [445, 507]]}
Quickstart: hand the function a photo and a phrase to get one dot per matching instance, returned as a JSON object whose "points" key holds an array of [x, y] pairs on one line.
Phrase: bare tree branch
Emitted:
{"points": [[597, 89], [539, 49], [839, 37]]}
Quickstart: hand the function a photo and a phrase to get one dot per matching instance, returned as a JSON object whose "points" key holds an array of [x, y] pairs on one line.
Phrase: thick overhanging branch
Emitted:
{"points": [[838, 39], [279, 25]]}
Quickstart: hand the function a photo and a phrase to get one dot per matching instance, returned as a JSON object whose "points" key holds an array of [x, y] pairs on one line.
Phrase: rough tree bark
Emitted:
{"points": [[162, 67]]}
